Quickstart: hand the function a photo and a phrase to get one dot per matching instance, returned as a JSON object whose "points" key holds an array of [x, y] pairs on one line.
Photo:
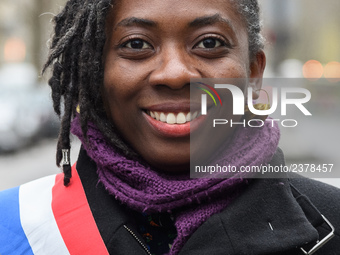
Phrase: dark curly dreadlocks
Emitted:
{"points": [[78, 71]]}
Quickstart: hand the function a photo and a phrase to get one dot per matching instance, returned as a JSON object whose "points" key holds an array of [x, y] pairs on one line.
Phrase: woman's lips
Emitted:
{"points": [[174, 124]]}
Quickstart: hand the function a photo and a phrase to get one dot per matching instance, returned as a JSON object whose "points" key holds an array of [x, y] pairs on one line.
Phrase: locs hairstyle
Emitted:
{"points": [[76, 63]]}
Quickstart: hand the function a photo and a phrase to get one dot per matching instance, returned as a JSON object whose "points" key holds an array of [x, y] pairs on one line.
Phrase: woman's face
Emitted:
{"points": [[152, 50]]}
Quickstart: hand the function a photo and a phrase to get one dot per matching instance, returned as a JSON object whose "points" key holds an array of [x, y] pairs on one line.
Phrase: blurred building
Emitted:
{"points": [[25, 28], [301, 30], [26, 112]]}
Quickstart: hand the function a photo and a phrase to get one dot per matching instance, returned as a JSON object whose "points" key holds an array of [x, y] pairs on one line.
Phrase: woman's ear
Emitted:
{"points": [[257, 67]]}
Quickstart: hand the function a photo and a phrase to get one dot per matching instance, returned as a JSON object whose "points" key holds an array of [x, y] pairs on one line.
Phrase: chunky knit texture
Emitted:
{"points": [[192, 201]]}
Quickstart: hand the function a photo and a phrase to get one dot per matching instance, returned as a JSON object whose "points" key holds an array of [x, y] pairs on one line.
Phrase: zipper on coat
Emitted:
{"points": [[137, 239]]}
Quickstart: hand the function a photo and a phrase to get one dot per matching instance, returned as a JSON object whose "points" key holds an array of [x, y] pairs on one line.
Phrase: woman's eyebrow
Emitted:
{"points": [[197, 22], [133, 21], [209, 20]]}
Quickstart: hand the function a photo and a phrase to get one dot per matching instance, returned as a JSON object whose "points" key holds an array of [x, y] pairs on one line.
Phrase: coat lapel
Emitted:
{"points": [[265, 219]]}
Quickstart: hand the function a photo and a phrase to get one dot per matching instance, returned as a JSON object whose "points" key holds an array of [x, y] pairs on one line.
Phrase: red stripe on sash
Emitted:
{"points": [[74, 217]]}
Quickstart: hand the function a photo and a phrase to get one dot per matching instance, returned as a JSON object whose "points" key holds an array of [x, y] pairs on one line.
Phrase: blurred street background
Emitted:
{"points": [[303, 39]]}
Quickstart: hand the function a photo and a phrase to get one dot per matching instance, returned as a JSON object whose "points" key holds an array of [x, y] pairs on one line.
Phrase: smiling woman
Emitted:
{"points": [[123, 71], [149, 61]]}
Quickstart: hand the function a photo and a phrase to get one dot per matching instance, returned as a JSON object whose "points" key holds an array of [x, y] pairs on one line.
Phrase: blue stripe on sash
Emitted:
{"points": [[13, 240]]}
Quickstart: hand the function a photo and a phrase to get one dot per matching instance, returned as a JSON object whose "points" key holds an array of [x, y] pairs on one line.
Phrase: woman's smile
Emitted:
{"points": [[173, 119], [153, 49]]}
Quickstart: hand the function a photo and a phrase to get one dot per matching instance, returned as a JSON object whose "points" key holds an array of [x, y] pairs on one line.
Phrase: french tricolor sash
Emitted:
{"points": [[44, 217]]}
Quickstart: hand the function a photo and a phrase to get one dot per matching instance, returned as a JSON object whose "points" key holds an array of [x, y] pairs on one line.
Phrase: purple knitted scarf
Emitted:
{"points": [[192, 201]]}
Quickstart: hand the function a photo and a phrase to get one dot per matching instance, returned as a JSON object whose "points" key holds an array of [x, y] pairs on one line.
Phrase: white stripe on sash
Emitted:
{"points": [[37, 219]]}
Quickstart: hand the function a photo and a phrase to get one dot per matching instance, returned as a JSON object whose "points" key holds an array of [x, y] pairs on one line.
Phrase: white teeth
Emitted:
{"points": [[156, 115], [188, 117], [173, 118], [162, 117], [180, 118]]}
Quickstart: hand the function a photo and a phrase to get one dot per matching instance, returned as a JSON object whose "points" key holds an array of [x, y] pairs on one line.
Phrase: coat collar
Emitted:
{"points": [[266, 219]]}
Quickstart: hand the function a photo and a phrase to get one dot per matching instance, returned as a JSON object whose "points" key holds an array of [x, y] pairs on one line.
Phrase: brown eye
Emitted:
{"points": [[137, 44], [210, 43]]}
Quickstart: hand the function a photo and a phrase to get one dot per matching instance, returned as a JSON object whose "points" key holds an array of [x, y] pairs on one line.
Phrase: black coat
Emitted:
{"points": [[272, 216]]}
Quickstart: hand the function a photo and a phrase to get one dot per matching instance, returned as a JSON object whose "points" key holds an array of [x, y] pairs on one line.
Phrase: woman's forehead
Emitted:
{"points": [[173, 11]]}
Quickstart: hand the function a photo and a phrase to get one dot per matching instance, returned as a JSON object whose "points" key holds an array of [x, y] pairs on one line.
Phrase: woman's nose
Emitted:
{"points": [[174, 69]]}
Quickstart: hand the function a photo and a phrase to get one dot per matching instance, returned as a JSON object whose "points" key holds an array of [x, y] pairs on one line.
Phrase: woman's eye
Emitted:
{"points": [[137, 44], [210, 43]]}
